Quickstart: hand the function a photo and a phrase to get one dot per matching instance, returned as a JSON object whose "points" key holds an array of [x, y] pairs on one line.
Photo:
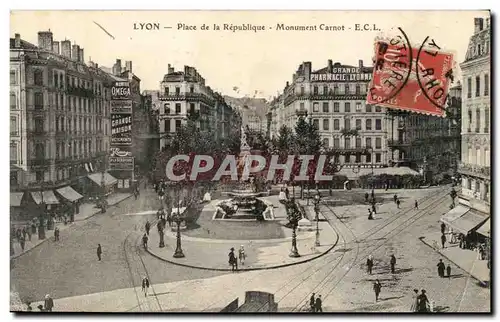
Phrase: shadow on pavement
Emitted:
{"points": [[441, 308]]}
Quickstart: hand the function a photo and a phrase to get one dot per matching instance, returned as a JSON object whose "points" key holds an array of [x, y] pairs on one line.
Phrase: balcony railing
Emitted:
{"points": [[474, 169], [477, 130], [40, 162], [395, 143], [38, 132], [79, 91]]}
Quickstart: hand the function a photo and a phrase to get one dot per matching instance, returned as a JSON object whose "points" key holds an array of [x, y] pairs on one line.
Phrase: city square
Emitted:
{"points": [[181, 198]]}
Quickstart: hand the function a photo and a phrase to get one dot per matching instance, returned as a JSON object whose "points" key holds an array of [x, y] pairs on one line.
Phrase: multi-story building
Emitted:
{"points": [[429, 144], [334, 98], [184, 93], [60, 120]]}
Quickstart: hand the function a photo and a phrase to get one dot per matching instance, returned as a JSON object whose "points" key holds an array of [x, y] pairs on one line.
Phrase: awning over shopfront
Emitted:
{"points": [[108, 179], [466, 222], [48, 197], [16, 198], [454, 214], [394, 171], [69, 193], [485, 228]]}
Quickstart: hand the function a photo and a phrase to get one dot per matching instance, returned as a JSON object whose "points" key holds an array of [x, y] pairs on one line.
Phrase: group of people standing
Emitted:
{"points": [[233, 261]]}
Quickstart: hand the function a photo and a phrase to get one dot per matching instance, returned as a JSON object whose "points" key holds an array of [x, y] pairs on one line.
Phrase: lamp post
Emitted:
{"points": [[103, 186], [178, 219], [294, 220], [317, 199], [161, 232]]}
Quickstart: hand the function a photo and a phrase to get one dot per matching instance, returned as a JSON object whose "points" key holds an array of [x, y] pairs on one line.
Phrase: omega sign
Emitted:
{"points": [[342, 74], [120, 90]]}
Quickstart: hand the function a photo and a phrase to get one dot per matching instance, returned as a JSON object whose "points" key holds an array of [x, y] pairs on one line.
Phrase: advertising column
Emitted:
{"points": [[121, 160]]}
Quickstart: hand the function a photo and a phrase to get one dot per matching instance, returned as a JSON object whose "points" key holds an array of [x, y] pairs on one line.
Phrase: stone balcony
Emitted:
{"points": [[475, 170]]}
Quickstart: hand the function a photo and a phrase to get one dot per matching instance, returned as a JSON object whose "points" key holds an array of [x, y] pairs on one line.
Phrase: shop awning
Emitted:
{"points": [[485, 228], [69, 193], [467, 222], [108, 179], [351, 175], [16, 198], [48, 197], [454, 214]]}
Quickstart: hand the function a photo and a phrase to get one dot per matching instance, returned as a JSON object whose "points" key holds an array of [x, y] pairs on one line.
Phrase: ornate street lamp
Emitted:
{"points": [[294, 220], [178, 219], [317, 199]]}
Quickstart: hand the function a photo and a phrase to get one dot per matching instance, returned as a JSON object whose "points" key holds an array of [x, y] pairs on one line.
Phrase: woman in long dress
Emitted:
{"points": [[414, 301]]}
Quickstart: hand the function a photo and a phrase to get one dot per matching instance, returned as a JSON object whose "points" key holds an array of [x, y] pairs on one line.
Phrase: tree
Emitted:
{"points": [[307, 141]]}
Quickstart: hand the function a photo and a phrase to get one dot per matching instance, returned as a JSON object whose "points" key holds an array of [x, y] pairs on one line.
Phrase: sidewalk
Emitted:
{"points": [[464, 258], [87, 210], [212, 254]]}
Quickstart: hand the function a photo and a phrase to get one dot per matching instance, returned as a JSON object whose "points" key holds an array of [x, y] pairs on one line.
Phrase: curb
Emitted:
{"points": [[50, 238], [468, 273], [250, 269]]}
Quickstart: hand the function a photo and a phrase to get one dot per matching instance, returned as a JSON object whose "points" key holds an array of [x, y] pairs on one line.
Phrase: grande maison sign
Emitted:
{"points": [[342, 74]]}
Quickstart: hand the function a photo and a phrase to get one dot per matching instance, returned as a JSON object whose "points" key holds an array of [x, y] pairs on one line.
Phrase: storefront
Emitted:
{"points": [[71, 201], [99, 184], [16, 210]]}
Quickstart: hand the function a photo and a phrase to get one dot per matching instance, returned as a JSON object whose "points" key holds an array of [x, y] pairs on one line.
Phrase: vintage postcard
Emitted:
{"points": [[250, 161]]}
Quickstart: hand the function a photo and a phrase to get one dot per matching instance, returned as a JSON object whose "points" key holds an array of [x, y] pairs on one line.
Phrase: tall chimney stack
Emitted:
{"points": [[360, 63], [117, 67], [81, 56], [330, 66], [170, 69], [55, 47], [45, 40], [75, 54], [66, 48], [17, 41], [128, 66]]}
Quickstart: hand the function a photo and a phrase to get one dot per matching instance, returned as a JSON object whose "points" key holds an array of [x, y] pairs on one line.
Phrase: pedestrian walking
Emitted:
{"points": [[448, 271], [22, 242], [145, 241], [443, 228], [232, 260], [48, 303], [395, 198], [99, 251], [369, 264], [145, 285], [242, 255], [312, 302], [373, 194], [393, 264], [416, 204], [414, 301], [374, 209], [148, 227], [377, 287], [398, 202], [370, 214], [366, 196], [56, 234], [443, 240], [24, 233], [423, 301], [33, 228], [441, 268], [319, 304]]}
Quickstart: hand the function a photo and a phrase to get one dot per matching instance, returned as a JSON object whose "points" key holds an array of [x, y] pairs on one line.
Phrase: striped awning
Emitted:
{"points": [[16, 198], [69, 193], [108, 179], [48, 197]]}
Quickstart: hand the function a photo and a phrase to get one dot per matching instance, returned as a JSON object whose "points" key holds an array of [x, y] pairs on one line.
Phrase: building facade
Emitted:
{"points": [[476, 98], [334, 98], [59, 109]]}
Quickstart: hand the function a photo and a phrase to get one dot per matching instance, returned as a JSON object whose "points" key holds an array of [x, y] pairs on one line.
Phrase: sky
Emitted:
{"points": [[256, 63]]}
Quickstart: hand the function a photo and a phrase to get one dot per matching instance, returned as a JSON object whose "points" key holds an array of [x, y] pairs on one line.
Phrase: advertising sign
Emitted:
{"points": [[121, 107], [121, 163], [121, 129], [120, 91], [342, 74]]}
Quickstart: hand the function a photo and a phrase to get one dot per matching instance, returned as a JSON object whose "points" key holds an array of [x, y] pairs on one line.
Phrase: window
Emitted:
{"points": [[177, 91], [336, 107], [325, 90], [369, 158], [56, 99], [302, 106], [486, 120], [191, 108], [368, 124], [347, 124], [469, 113], [486, 85], [316, 123], [358, 107], [326, 124], [335, 89], [315, 107], [358, 89], [39, 151], [378, 157], [336, 124], [62, 101], [38, 77], [347, 158], [177, 108], [12, 77], [347, 143], [13, 125], [368, 142], [166, 108], [325, 107], [478, 120], [39, 176], [469, 87], [56, 80], [368, 108], [315, 90], [13, 101], [57, 124], [13, 178], [167, 91], [178, 124], [478, 85], [478, 157], [191, 89], [336, 143], [326, 142], [346, 89], [358, 158], [358, 124], [378, 109], [38, 101], [378, 124], [301, 90], [347, 107], [39, 125], [378, 143], [61, 80], [358, 142]]}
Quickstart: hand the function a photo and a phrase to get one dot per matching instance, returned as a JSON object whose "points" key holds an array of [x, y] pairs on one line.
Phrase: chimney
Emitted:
{"points": [[330, 65], [478, 25], [91, 64], [66, 48], [186, 70], [55, 47], [287, 84], [117, 67], [75, 53], [360, 63], [81, 56], [307, 69], [45, 40], [170, 69], [17, 41], [128, 66]]}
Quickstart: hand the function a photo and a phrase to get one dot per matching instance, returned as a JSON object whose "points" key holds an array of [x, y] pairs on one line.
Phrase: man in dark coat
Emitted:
{"points": [[393, 264], [448, 270], [443, 227], [312, 302], [48, 303], [369, 264], [441, 268], [318, 306], [422, 301], [443, 240], [99, 251], [416, 204], [145, 241], [232, 260], [398, 202], [148, 227]]}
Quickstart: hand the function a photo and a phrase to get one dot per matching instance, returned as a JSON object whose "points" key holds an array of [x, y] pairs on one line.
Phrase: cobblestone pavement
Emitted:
{"points": [[70, 266]]}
